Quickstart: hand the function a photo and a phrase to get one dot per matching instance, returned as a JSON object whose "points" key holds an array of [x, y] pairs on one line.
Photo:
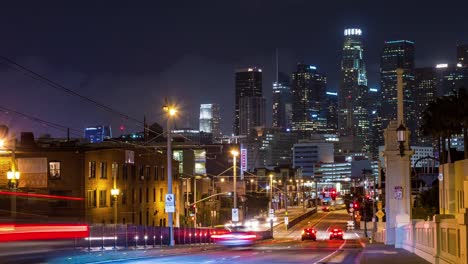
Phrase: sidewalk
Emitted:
{"points": [[383, 254], [84, 256]]}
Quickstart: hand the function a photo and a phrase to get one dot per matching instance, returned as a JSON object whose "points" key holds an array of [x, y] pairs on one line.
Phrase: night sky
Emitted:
{"points": [[131, 55]]}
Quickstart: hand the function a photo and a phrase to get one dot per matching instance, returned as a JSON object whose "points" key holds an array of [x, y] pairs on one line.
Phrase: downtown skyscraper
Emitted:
{"points": [[308, 96], [353, 118], [249, 101], [210, 119], [282, 105], [397, 54]]}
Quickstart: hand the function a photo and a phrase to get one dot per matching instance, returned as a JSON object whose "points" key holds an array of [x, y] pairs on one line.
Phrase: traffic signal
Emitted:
{"points": [[193, 218], [355, 205], [333, 195]]}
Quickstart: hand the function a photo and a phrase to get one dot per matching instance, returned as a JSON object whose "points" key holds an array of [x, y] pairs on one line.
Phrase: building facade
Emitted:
{"points": [[248, 83], [97, 134], [308, 99], [353, 79], [210, 120], [397, 54], [282, 105], [307, 154]]}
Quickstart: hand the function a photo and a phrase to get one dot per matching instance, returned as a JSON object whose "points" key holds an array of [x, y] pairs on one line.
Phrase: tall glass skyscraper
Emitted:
{"points": [[353, 81], [308, 97], [397, 54], [210, 120], [282, 111], [248, 84]]}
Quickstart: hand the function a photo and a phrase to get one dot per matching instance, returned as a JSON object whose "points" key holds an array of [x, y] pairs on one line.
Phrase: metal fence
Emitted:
{"points": [[132, 236]]}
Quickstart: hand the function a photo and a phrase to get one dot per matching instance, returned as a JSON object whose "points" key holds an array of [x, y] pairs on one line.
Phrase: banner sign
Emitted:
{"points": [[243, 161]]}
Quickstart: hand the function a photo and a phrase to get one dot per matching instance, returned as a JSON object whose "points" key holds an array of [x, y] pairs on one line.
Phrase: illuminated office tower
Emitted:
{"points": [[353, 81], [210, 120], [282, 111], [397, 54], [308, 96], [248, 84], [424, 92]]}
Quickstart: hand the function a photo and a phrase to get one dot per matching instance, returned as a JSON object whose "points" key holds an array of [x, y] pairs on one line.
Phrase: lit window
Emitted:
{"points": [[54, 170]]}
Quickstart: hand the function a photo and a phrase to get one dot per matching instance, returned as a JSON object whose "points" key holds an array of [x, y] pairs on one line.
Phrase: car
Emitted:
{"points": [[309, 233], [336, 233], [235, 236], [328, 208]]}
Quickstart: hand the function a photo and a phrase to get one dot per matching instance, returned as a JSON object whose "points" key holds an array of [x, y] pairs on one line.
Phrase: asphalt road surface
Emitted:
{"points": [[287, 247]]}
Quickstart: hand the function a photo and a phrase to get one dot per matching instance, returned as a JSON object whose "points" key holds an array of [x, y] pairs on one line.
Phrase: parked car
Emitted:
{"points": [[309, 233], [336, 233]]}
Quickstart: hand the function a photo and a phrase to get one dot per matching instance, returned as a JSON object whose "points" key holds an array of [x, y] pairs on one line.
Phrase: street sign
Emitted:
{"points": [[170, 203], [272, 213], [235, 215], [286, 220], [398, 193]]}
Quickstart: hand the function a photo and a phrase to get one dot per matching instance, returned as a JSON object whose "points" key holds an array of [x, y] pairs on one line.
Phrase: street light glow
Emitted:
{"points": [[2, 143], [234, 152], [115, 192]]}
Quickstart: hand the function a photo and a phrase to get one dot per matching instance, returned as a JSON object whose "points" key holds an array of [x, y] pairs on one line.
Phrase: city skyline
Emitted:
{"points": [[133, 76]]}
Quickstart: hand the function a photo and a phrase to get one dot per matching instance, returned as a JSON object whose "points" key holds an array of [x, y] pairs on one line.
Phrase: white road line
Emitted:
{"points": [[331, 254]]}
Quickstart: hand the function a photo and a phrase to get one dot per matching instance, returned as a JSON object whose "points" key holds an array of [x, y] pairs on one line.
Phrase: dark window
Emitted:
{"points": [[148, 173], [124, 197], [160, 194], [125, 172], [92, 169], [102, 198], [133, 196], [141, 174], [91, 198], [147, 194], [140, 196], [115, 170], [163, 173], [103, 166], [156, 173], [154, 194]]}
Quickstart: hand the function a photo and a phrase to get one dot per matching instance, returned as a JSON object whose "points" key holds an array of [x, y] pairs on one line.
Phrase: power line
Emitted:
{"points": [[49, 82], [58, 86]]}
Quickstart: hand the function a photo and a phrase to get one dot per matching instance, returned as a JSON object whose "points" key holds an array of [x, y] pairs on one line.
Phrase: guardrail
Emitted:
{"points": [[104, 236], [298, 219]]}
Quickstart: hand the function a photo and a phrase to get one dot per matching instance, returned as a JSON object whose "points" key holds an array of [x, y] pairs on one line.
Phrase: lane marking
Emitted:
{"points": [[331, 254]]}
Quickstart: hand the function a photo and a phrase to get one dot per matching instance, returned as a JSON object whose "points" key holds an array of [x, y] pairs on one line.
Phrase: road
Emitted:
{"points": [[285, 248]]}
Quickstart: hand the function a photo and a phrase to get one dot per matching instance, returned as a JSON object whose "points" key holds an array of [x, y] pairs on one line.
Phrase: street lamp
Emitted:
{"points": [[115, 194], [171, 111], [401, 138], [234, 154]]}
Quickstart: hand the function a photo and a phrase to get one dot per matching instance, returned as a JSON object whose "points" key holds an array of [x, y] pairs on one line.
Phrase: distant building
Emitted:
{"points": [[462, 55], [308, 98], [425, 91], [97, 134], [450, 78], [397, 54], [306, 154], [331, 105], [353, 80], [210, 120], [248, 84], [191, 136], [277, 146], [282, 105]]}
